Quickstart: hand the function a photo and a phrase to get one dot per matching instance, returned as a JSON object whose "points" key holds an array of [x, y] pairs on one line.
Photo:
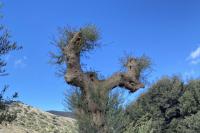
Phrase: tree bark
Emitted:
{"points": [[89, 83]]}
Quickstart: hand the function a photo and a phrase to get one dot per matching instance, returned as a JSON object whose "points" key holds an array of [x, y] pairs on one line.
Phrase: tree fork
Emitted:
{"points": [[89, 82]]}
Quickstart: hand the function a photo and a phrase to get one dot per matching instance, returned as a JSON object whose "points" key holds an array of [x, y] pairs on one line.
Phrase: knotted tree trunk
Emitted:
{"points": [[89, 83]]}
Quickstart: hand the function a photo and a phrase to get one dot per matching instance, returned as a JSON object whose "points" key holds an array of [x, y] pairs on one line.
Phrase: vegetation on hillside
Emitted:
{"points": [[169, 106], [33, 120]]}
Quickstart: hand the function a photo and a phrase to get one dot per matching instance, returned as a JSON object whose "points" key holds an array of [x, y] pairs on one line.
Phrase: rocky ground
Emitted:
{"points": [[32, 120]]}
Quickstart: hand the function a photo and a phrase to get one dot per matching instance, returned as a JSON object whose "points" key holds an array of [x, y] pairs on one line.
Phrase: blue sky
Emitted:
{"points": [[168, 31]]}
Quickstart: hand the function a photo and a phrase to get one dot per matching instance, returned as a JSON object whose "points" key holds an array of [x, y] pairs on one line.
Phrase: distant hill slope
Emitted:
{"points": [[62, 113], [32, 120]]}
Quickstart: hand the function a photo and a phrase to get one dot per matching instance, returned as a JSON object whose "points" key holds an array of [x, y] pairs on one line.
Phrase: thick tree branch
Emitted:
{"points": [[74, 74], [123, 80], [128, 80]]}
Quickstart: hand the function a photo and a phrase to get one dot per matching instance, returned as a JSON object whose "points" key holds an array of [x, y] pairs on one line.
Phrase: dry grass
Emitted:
{"points": [[32, 120]]}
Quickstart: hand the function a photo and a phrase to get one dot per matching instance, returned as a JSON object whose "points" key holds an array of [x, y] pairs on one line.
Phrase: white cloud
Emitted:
{"points": [[20, 62], [194, 57], [195, 62], [195, 54]]}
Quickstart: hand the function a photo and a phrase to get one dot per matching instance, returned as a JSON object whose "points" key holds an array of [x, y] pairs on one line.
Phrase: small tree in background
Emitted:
{"points": [[94, 91], [6, 46]]}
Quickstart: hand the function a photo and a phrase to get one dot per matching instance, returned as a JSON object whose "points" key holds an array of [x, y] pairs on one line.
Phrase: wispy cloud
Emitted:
{"points": [[195, 54], [21, 63], [195, 62], [194, 57]]}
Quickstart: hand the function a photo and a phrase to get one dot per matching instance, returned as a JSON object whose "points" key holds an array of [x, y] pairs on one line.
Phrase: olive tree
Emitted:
{"points": [[73, 44]]}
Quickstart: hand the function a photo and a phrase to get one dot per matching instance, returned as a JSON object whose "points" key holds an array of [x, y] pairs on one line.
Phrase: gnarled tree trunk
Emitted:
{"points": [[89, 83]]}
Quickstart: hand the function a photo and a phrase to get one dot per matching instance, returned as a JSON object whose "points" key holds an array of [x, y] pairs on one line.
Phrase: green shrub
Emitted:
{"points": [[172, 106], [115, 119]]}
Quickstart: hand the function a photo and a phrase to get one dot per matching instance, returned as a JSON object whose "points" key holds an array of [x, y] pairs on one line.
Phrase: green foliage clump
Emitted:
{"points": [[90, 37], [143, 65], [5, 114], [172, 106], [144, 125], [190, 124], [5, 47], [115, 118]]}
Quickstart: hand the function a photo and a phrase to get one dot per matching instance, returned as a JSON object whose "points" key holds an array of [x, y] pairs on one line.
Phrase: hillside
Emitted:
{"points": [[32, 120], [62, 113]]}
